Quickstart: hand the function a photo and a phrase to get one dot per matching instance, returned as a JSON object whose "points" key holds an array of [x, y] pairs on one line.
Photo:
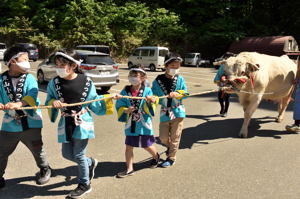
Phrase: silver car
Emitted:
{"points": [[98, 66]]}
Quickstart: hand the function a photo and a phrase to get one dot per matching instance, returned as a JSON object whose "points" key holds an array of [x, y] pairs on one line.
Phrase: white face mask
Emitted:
{"points": [[24, 65], [173, 71], [134, 80], [62, 72]]}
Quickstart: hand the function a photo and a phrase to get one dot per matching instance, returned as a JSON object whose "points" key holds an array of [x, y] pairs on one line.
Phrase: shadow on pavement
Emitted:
{"points": [[235, 99], [15, 189], [229, 128], [111, 169]]}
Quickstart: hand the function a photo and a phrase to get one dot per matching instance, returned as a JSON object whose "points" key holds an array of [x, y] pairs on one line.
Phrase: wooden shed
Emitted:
{"points": [[273, 45]]}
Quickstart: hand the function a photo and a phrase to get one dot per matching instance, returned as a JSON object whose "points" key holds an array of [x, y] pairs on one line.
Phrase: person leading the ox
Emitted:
{"points": [[76, 125], [223, 97], [296, 115], [172, 110], [19, 89]]}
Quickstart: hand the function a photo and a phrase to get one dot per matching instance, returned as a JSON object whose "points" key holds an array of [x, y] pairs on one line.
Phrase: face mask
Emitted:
{"points": [[62, 72], [24, 65], [173, 72], [134, 80]]}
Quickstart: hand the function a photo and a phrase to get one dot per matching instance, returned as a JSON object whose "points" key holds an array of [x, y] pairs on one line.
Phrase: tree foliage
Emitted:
{"points": [[208, 26]]}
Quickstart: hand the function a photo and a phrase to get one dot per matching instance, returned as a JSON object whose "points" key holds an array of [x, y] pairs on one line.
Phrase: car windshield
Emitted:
{"points": [[99, 59], [190, 55], [2, 46], [163, 53]]}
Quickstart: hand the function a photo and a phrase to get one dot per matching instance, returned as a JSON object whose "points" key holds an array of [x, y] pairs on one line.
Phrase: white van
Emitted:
{"points": [[194, 59], [151, 57]]}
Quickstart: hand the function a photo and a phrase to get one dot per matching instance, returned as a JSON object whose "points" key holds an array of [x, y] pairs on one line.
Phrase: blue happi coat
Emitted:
{"points": [[176, 106], [86, 129], [144, 126], [30, 95]]}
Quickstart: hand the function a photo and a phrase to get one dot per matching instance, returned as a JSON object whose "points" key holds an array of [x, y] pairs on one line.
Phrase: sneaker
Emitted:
{"points": [[124, 174], [292, 128], [167, 163], [81, 190], [43, 176], [154, 162], [2, 182], [224, 114], [221, 111], [92, 168]]}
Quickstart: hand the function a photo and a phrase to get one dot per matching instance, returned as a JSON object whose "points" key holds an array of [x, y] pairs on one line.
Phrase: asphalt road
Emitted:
{"points": [[212, 161]]}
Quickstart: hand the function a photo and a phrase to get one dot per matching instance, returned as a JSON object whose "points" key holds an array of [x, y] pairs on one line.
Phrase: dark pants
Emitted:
{"points": [[224, 101], [31, 138]]}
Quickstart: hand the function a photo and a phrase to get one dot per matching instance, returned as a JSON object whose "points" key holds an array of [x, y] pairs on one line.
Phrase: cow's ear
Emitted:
{"points": [[217, 63], [252, 67]]}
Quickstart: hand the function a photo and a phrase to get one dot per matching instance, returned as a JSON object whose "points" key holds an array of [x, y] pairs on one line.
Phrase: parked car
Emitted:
{"points": [[151, 57], [32, 49], [100, 67], [194, 59], [2, 50], [94, 48]]}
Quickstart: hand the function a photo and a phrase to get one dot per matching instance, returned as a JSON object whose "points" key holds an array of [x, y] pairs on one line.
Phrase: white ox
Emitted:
{"points": [[254, 77]]}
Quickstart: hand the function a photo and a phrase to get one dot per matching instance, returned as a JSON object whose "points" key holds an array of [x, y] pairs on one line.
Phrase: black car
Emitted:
{"points": [[32, 49]]}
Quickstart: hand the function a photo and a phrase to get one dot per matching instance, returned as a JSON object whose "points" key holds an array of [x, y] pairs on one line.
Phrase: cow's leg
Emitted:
{"points": [[282, 107], [248, 112]]}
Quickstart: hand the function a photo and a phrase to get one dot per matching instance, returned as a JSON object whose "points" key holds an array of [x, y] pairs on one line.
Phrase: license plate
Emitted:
{"points": [[104, 72]]}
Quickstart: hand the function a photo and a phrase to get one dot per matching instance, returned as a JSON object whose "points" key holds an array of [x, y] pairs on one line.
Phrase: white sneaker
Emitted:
{"points": [[292, 128]]}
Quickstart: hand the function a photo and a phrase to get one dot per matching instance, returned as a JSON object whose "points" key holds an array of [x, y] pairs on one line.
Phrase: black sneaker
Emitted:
{"points": [[92, 168], [81, 190], [43, 176], [154, 162], [2, 183], [125, 173]]}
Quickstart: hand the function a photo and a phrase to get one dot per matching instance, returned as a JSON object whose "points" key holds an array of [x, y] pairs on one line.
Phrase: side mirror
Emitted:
{"points": [[47, 61]]}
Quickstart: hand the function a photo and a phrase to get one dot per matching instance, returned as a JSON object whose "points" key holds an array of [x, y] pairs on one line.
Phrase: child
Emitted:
{"points": [[136, 113], [76, 125], [19, 89], [172, 109], [222, 96]]}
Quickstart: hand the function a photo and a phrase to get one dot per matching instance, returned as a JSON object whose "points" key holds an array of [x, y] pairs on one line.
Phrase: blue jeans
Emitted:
{"points": [[296, 114], [75, 151]]}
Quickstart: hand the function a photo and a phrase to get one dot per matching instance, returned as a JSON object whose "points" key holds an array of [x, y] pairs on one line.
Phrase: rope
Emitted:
{"points": [[255, 93], [96, 100]]}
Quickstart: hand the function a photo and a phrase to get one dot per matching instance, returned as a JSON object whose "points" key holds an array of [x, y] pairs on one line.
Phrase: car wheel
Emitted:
{"points": [[40, 77], [105, 88], [130, 64], [152, 67]]}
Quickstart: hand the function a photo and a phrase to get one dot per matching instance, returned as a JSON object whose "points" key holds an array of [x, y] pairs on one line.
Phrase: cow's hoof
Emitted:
{"points": [[278, 120], [242, 136]]}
